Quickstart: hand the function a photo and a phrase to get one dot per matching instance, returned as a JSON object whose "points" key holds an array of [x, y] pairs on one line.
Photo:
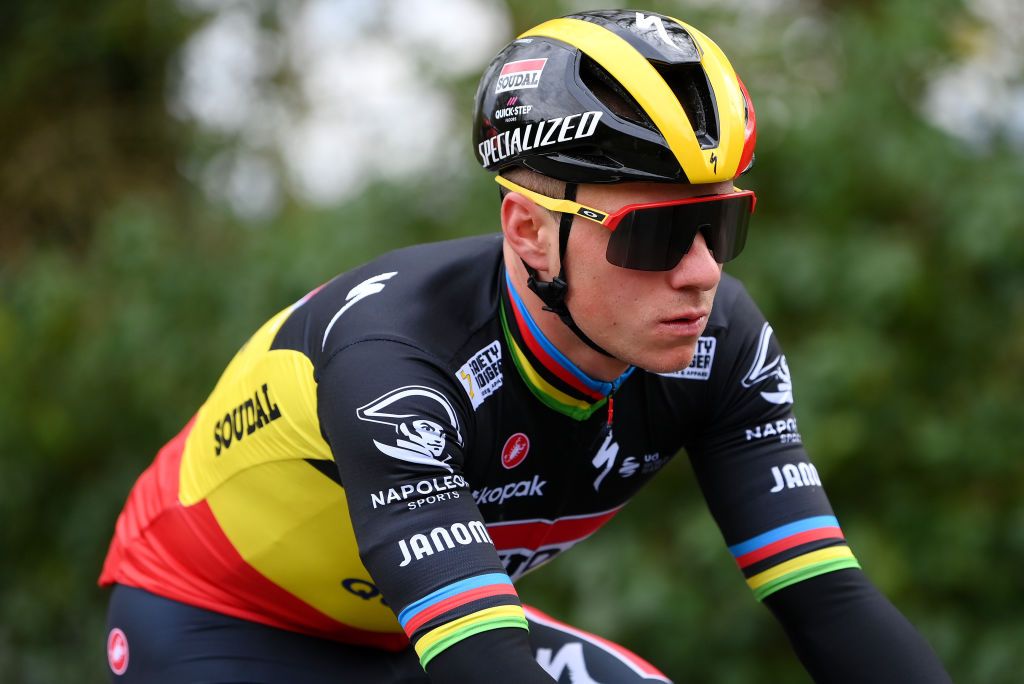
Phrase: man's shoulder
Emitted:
{"points": [[431, 296], [734, 308]]}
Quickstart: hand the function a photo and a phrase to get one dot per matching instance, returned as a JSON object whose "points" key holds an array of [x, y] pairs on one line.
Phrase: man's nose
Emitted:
{"points": [[697, 269]]}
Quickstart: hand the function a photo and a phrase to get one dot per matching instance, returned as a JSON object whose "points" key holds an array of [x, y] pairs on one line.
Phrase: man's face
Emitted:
{"points": [[650, 319]]}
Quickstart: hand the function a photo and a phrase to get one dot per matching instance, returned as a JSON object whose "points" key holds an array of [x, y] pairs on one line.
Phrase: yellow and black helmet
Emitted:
{"points": [[615, 95]]}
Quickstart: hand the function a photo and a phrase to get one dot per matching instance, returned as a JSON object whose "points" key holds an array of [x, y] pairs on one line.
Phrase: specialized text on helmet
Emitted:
{"points": [[536, 135]]}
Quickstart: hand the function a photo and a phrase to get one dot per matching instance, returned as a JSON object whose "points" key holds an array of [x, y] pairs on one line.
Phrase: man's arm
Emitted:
{"points": [[845, 631], [398, 429], [769, 501]]}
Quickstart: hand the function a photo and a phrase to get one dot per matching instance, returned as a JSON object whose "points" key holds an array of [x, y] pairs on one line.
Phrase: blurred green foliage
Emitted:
{"points": [[887, 255]]}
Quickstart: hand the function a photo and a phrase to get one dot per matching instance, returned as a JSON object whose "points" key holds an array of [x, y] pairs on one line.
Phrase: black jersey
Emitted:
{"points": [[385, 457]]}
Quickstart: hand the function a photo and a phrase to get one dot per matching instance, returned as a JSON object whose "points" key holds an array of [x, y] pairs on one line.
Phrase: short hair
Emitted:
{"points": [[531, 180]]}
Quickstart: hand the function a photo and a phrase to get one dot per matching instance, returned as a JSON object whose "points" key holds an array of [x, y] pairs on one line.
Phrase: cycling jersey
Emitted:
{"points": [[382, 459]]}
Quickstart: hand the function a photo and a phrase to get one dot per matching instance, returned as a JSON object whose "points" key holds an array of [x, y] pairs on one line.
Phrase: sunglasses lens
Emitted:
{"points": [[656, 238]]}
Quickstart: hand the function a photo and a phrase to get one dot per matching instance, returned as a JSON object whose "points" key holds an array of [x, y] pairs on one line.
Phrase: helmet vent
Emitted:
{"points": [[611, 94], [690, 85]]}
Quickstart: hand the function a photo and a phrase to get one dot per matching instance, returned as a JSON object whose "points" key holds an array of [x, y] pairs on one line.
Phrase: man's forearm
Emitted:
{"points": [[844, 630]]}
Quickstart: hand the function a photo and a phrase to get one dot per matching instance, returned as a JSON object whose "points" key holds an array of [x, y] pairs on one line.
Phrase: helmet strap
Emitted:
{"points": [[553, 292]]}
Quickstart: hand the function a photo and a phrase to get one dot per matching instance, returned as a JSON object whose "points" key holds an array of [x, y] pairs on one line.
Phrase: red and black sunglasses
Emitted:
{"points": [[654, 236]]}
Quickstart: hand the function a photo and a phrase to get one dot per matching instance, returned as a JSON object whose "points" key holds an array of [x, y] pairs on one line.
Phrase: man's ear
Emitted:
{"points": [[532, 232]]}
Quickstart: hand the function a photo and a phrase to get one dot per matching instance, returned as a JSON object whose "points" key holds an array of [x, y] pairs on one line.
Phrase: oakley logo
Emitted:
{"points": [[590, 214], [764, 371], [370, 286], [418, 438]]}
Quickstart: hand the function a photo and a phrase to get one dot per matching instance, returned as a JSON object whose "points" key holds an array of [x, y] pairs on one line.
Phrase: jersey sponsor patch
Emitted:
{"points": [[512, 490], [784, 430], [515, 450], [794, 475], [700, 366], [421, 493], [245, 419], [441, 539], [419, 439], [774, 373], [481, 375]]}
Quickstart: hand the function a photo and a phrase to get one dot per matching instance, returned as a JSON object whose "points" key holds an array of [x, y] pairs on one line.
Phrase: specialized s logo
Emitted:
{"points": [[764, 371], [418, 438], [370, 286], [646, 23], [605, 459]]}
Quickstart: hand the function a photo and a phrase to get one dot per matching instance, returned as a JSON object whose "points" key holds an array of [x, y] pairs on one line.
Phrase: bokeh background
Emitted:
{"points": [[175, 172]]}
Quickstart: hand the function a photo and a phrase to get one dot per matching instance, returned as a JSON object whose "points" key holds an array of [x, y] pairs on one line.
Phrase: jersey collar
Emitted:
{"points": [[548, 373]]}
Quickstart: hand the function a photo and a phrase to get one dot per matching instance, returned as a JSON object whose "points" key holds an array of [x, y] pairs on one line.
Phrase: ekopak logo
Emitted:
{"points": [[515, 450]]}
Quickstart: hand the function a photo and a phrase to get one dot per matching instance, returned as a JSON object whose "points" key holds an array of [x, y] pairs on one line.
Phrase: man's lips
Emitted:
{"points": [[688, 323], [687, 316]]}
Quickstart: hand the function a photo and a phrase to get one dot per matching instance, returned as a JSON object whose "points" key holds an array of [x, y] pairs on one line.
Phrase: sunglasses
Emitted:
{"points": [[654, 236]]}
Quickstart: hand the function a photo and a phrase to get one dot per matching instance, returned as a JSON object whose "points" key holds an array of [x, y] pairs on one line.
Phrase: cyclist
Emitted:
{"points": [[382, 459]]}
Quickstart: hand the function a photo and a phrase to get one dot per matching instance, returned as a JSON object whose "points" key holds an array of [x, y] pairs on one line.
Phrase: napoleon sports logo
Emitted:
{"points": [[409, 411]]}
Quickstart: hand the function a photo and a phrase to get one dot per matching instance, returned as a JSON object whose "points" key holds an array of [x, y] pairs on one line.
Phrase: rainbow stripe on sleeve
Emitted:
{"points": [[440, 619], [792, 553]]}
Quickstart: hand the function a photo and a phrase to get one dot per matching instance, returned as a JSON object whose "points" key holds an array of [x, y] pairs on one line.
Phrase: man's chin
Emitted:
{"points": [[665, 362]]}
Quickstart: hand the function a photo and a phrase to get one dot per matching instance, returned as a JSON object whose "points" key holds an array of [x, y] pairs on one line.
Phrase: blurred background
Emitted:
{"points": [[175, 172]]}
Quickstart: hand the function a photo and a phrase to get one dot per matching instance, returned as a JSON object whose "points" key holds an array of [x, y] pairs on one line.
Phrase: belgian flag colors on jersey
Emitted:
{"points": [[382, 459]]}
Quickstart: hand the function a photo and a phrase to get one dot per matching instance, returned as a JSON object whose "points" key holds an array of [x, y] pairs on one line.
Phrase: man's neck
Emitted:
{"points": [[591, 362]]}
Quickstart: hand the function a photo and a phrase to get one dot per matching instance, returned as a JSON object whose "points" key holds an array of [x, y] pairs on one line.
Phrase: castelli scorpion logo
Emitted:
{"points": [[515, 450]]}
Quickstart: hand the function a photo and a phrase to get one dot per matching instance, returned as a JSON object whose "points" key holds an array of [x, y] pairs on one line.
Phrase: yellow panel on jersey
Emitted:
{"points": [[246, 458], [263, 409], [649, 89], [300, 537]]}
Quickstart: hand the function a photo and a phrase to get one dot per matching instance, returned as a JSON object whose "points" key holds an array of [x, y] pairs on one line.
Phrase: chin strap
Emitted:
{"points": [[553, 292]]}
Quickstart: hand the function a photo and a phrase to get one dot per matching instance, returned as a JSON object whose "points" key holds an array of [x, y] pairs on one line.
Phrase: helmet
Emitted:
{"points": [[611, 96]]}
